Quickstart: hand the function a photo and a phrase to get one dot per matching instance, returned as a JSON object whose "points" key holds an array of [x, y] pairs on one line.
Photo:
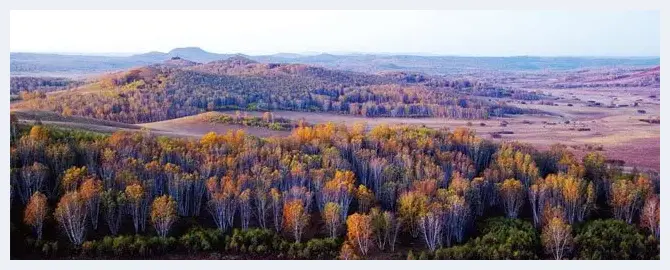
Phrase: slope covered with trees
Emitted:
{"points": [[180, 88]]}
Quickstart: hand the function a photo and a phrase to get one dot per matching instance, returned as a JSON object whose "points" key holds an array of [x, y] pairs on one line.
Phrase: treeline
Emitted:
{"points": [[502, 92], [267, 120], [377, 190], [162, 92], [40, 84]]}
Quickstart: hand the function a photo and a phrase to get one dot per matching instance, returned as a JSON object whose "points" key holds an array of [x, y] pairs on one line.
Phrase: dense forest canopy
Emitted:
{"points": [[325, 191]]}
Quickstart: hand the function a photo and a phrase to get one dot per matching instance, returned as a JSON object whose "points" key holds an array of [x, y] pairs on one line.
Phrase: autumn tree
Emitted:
{"points": [[295, 218], [537, 195], [512, 194], [73, 177], [137, 206], [186, 188], [431, 224], [651, 215], [222, 203], [90, 191], [557, 237], [625, 199], [31, 147], [359, 232], [332, 217], [36, 212], [245, 208], [113, 204], [365, 199], [108, 167], [347, 252], [262, 199], [339, 190], [385, 228], [71, 215], [516, 164], [456, 216], [163, 214], [412, 205], [276, 204], [575, 196], [32, 180]]}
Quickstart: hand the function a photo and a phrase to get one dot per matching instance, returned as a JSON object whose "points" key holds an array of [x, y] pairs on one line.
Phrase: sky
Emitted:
{"points": [[465, 33]]}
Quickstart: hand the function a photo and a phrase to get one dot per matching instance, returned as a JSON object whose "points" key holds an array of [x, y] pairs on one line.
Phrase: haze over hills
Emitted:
{"points": [[38, 64]]}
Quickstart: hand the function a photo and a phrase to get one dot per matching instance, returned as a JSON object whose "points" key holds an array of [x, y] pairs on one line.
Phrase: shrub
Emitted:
{"points": [[128, 246], [198, 239], [501, 239], [612, 239], [322, 249], [265, 242]]}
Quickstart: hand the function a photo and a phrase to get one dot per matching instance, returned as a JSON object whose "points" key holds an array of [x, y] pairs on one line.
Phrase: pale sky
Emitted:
{"points": [[470, 33]]}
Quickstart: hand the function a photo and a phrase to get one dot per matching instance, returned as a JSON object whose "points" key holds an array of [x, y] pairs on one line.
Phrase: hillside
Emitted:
{"points": [[177, 88]]}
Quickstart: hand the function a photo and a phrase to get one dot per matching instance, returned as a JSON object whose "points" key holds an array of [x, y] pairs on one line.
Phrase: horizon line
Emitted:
{"points": [[420, 54]]}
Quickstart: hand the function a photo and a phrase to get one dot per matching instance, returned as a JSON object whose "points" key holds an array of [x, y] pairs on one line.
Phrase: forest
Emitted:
{"points": [[178, 88], [40, 84], [327, 191]]}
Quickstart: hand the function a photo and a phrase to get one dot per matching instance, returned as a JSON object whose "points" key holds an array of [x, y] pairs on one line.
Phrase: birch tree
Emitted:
{"points": [[332, 217], [651, 215], [359, 232], [71, 215], [90, 191], [295, 218], [113, 204], [557, 237], [431, 226], [32, 180], [163, 214], [512, 194], [36, 212], [137, 206]]}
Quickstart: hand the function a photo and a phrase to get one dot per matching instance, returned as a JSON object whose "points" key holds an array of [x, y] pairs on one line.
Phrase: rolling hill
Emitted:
{"points": [[34, 64], [178, 87]]}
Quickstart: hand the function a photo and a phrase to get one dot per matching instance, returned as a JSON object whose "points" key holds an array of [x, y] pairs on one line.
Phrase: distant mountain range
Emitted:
{"points": [[38, 64]]}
